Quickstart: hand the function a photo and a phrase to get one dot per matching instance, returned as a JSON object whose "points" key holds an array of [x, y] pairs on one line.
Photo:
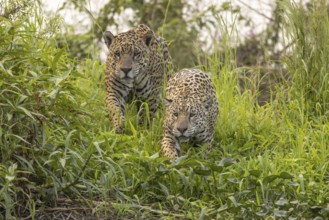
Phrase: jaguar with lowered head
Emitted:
{"points": [[136, 67], [191, 110]]}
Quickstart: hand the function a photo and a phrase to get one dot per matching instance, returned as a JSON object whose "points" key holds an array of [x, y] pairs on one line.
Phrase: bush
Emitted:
{"points": [[60, 159]]}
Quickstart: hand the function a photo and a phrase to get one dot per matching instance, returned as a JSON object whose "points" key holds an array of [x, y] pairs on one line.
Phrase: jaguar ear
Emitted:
{"points": [[167, 102], [108, 38], [145, 33], [148, 39]]}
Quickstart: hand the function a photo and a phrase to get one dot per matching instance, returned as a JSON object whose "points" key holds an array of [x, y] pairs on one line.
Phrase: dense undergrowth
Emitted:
{"points": [[56, 142]]}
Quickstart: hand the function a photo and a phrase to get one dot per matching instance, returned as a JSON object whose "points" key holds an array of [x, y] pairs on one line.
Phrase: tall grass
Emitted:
{"points": [[56, 143], [307, 28], [46, 114]]}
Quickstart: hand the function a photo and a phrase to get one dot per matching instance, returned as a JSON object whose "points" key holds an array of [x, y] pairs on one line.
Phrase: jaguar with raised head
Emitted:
{"points": [[136, 67]]}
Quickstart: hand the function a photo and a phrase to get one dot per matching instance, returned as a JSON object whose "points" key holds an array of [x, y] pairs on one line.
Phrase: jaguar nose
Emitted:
{"points": [[182, 129], [125, 70]]}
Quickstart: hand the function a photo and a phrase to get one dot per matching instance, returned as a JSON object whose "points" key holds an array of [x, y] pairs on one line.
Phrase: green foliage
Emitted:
{"points": [[45, 109], [57, 147], [308, 29]]}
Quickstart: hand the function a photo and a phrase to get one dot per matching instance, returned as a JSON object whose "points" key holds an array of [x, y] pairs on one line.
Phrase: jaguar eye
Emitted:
{"points": [[117, 53], [137, 53], [175, 114], [192, 114]]}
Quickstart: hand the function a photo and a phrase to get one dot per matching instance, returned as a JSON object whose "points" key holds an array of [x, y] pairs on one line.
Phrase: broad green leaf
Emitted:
{"points": [[285, 175], [183, 177], [226, 6], [184, 161], [154, 156], [5, 70], [255, 173], [164, 189], [270, 178], [62, 161], [68, 138], [290, 183], [12, 169], [280, 213], [216, 168], [233, 200], [22, 98], [262, 213], [27, 112], [202, 171], [9, 177], [227, 162], [9, 116], [56, 58], [282, 202], [233, 180], [203, 213]]}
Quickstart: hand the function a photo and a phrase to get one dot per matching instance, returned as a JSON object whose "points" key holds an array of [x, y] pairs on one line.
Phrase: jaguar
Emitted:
{"points": [[137, 66], [191, 110]]}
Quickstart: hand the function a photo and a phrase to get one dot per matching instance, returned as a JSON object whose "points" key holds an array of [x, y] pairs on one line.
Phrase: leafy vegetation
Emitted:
{"points": [[60, 157]]}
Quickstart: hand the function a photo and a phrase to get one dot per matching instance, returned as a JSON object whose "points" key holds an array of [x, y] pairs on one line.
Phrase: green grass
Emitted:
{"points": [[56, 141]]}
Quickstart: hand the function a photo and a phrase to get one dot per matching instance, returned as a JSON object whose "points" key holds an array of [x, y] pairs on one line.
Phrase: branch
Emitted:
{"points": [[63, 209], [254, 10], [278, 54]]}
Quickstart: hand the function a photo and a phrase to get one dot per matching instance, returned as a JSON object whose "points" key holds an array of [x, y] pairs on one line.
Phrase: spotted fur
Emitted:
{"points": [[191, 111], [136, 66]]}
